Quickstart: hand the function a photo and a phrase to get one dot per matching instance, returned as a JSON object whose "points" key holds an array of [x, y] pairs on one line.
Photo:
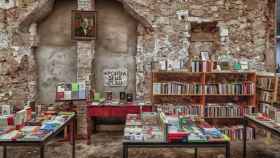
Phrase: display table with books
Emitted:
{"points": [[156, 130], [36, 132], [112, 111], [261, 121]]}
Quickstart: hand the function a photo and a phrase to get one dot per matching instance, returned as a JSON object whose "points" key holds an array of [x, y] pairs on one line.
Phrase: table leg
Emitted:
{"points": [[94, 124], [245, 123], [89, 129], [4, 151], [195, 153], [42, 151], [125, 151], [73, 138], [228, 150]]}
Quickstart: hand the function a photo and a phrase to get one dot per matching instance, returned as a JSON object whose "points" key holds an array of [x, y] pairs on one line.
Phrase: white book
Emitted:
{"points": [[67, 95]]}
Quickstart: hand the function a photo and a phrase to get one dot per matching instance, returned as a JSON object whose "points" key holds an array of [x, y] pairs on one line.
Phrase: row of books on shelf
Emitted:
{"points": [[217, 110], [179, 109], [244, 88], [226, 110], [236, 132], [271, 111], [265, 83], [177, 88], [265, 96]]}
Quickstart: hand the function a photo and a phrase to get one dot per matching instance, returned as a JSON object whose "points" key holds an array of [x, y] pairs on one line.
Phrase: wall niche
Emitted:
{"points": [[204, 37]]}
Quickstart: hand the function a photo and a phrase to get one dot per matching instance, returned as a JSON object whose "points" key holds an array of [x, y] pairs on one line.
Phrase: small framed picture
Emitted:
{"points": [[83, 25], [204, 55]]}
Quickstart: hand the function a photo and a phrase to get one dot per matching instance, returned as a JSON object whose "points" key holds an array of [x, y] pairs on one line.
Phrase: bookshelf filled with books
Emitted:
{"points": [[219, 95]]}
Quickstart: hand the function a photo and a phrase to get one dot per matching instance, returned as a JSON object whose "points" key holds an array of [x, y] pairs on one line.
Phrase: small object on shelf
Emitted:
{"points": [[129, 97], [244, 65], [204, 56], [122, 96], [109, 95]]}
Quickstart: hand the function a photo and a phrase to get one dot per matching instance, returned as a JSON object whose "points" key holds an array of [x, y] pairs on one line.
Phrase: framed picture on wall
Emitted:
{"points": [[83, 25]]}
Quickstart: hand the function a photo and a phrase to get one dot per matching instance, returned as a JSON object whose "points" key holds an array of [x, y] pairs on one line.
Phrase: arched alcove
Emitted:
{"points": [[115, 45]]}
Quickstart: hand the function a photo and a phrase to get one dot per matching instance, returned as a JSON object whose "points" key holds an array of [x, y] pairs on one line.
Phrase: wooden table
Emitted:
{"points": [[111, 111], [248, 119], [42, 143], [194, 145]]}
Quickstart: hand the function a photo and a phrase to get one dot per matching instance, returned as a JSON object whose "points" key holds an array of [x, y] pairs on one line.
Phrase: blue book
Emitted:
{"points": [[82, 94]]}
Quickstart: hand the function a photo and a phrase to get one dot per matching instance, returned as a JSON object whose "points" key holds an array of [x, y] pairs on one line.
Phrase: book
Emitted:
{"points": [[75, 87]]}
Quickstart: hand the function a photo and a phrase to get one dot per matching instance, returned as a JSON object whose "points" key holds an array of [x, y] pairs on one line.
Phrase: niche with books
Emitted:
{"points": [[204, 38]]}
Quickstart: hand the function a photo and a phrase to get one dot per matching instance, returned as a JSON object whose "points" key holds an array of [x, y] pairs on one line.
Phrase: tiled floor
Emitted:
{"points": [[108, 145]]}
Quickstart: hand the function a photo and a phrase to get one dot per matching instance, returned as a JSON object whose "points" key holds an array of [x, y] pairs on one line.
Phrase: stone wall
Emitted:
{"points": [[245, 30]]}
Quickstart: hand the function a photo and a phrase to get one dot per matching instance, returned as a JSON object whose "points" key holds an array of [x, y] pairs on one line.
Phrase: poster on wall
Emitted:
{"points": [[83, 25], [115, 77]]}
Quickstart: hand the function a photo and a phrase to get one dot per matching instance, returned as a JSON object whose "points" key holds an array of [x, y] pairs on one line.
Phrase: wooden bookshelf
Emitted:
{"points": [[203, 79]]}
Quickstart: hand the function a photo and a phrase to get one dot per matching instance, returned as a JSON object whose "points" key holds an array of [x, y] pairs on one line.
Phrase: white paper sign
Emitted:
{"points": [[115, 77]]}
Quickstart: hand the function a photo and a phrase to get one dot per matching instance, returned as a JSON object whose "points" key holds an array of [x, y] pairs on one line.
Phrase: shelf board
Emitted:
{"points": [[177, 72], [269, 90], [233, 95], [230, 72], [177, 95]]}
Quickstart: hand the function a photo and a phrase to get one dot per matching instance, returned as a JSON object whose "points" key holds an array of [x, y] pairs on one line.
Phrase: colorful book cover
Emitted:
{"points": [[75, 87], [75, 95], [82, 85], [82, 94], [60, 87], [60, 96], [68, 87], [67, 95]]}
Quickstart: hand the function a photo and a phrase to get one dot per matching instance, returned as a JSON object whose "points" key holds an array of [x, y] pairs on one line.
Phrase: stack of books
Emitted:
{"points": [[242, 88], [177, 88]]}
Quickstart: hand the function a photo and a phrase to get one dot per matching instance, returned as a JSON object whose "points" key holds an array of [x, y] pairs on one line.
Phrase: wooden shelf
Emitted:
{"points": [[177, 95], [233, 95], [263, 89], [203, 99]]}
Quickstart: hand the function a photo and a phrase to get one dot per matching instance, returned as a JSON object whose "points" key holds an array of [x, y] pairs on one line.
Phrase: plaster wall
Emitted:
{"points": [[56, 54], [115, 44]]}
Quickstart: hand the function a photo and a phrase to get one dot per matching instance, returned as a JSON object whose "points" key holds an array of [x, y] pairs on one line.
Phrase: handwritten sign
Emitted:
{"points": [[115, 77]]}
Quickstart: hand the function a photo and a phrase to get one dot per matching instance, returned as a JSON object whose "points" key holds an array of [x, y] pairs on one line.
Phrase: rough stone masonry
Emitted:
{"points": [[245, 29]]}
